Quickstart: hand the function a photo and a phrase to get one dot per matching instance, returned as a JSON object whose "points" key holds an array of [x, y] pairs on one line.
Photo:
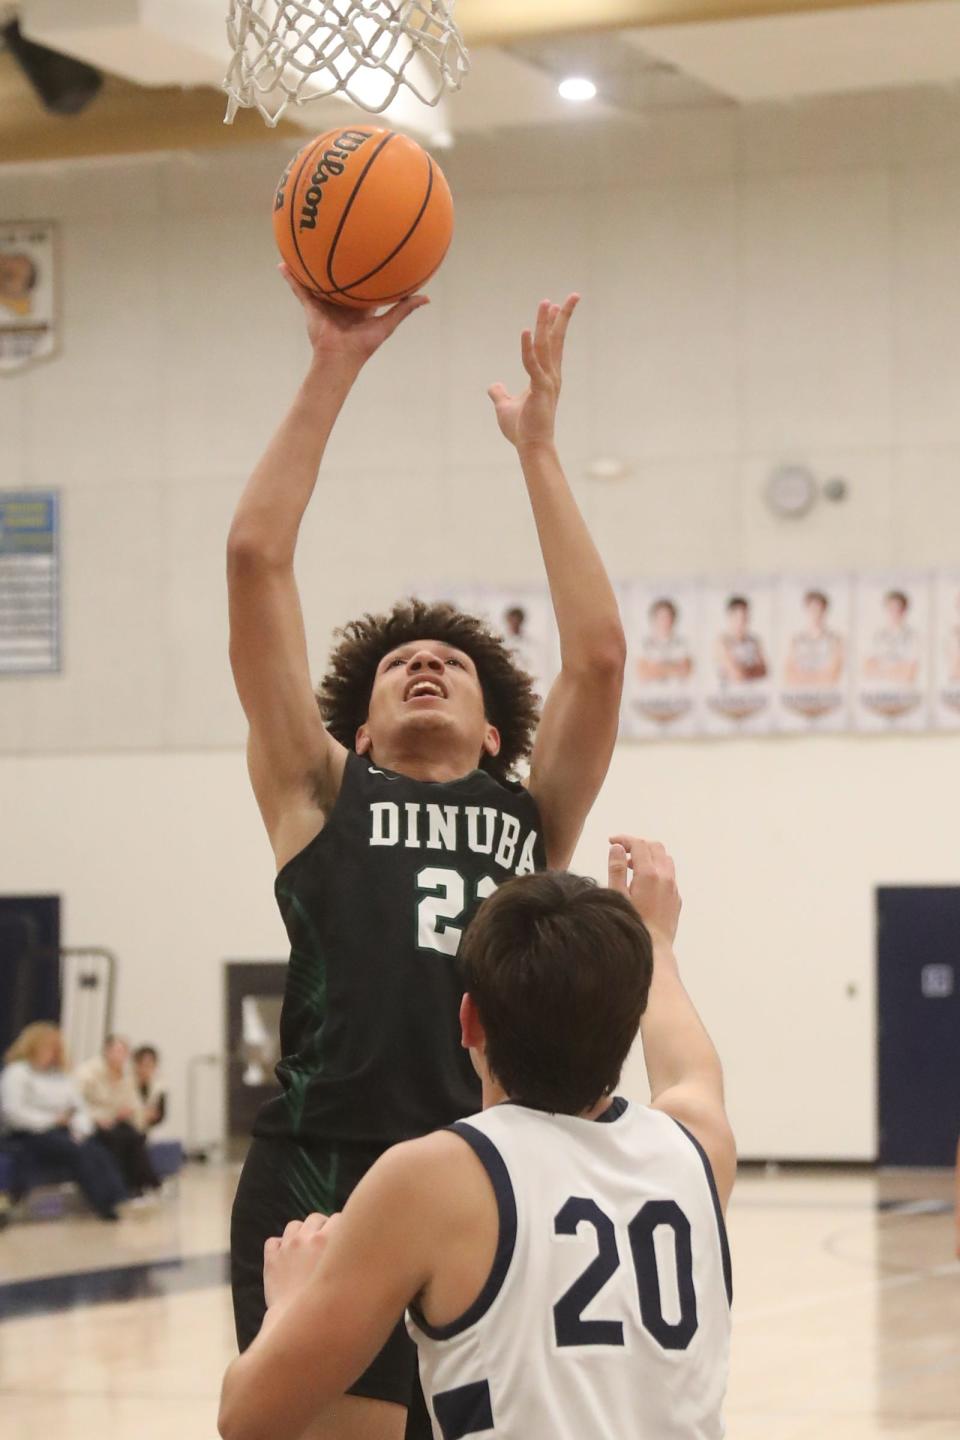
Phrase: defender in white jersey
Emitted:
{"points": [[562, 1257]]}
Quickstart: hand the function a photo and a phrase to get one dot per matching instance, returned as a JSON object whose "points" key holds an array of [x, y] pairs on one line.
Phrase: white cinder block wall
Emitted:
{"points": [[758, 286]]}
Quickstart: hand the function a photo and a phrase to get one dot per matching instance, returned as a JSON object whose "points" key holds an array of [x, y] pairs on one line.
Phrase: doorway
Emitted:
{"points": [[918, 999]]}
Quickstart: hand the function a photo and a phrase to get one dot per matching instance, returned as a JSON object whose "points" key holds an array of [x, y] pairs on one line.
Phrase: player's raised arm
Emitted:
{"points": [[683, 1067], [580, 717], [295, 765]]}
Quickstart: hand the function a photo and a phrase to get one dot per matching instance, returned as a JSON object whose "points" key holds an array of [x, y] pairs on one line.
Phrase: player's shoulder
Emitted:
{"points": [[419, 1162], [437, 1174]]}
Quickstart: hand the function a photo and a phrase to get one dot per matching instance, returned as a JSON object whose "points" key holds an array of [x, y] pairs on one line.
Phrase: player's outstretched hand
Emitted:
{"points": [[338, 333], [289, 1262], [530, 418], [644, 872]]}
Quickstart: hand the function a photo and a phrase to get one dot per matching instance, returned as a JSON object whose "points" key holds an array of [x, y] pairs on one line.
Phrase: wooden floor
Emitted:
{"points": [[846, 1314]]}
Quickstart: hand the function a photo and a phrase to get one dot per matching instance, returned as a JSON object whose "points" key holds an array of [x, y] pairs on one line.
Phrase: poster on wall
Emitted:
{"points": [[814, 627], [29, 329], [29, 583], [524, 617], [737, 658], [661, 685], [946, 651], [892, 653]]}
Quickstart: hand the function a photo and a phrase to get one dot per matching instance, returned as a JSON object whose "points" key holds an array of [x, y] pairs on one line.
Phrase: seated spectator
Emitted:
{"points": [[43, 1111], [149, 1085], [110, 1094]]}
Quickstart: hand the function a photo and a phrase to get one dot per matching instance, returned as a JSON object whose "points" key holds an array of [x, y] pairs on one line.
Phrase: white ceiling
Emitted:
{"points": [[789, 56], [159, 43], [156, 43]]}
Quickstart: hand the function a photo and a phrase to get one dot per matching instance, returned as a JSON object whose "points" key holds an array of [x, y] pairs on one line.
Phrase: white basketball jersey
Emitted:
{"points": [[606, 1315]]}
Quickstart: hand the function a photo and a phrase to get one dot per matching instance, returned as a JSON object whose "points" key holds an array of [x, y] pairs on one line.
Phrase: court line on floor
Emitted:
{"points": [[149, 1280], [826, 1297]]}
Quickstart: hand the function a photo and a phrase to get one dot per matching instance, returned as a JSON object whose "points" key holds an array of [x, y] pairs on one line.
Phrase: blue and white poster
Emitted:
{"points": [[29, 583]]}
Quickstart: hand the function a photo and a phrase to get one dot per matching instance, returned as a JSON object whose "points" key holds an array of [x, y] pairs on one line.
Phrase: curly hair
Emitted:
{"points": [[508, 697]]}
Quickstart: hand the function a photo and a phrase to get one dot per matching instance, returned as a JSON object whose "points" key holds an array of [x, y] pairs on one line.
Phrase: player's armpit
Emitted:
{"points": [[704, 1116], [291, 752], [574, 744]]}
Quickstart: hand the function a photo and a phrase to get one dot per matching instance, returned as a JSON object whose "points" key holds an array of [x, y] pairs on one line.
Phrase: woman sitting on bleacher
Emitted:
{"points": [[110, 1094], [43, 1112]]}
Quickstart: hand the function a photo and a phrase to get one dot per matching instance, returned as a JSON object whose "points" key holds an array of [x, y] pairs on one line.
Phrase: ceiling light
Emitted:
{"points": [[576, 87]]}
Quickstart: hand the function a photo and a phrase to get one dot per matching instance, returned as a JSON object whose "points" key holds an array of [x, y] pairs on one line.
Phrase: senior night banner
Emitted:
{"points": [[892, 655], [738, 658], [814, 627], [661, 685], [29, 328]]}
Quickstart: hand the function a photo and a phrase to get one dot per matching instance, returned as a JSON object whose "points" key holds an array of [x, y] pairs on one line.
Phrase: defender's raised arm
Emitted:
{"points": [[683, 1067], [580, 718]]}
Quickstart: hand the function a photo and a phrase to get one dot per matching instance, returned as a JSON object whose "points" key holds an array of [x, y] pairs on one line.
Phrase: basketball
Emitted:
{"points": [[363, 216]]}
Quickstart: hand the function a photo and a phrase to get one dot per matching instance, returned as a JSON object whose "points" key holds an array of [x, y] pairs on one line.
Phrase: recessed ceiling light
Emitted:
{"points": [[576, 87]]}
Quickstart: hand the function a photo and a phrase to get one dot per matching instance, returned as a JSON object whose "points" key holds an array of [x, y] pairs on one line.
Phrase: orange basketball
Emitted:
{"points": [[363, 216]]}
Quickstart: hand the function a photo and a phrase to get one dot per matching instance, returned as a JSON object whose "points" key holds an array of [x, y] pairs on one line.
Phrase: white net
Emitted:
{"points": [[290, 51]]}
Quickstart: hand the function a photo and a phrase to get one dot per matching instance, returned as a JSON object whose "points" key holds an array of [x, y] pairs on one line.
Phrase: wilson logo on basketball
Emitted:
{"points": [[329, 164]]}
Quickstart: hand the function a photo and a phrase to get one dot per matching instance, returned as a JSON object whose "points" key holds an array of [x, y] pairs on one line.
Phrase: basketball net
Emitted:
{"points": [[290, 51]]}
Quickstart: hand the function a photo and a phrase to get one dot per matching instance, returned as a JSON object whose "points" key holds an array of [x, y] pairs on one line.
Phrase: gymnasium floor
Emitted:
{"points": [[847, 1314]]}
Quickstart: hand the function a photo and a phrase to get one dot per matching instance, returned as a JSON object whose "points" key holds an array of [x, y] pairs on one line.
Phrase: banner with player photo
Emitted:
{"points": [[661, 689], [892, 682], [524, 617], [946, 651], [754, 656], [814, 629], [29, 328], [737, 658]]}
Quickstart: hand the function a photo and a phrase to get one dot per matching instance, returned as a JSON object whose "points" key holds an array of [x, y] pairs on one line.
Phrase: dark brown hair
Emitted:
{"points": [[509, 701], [559, 970]]}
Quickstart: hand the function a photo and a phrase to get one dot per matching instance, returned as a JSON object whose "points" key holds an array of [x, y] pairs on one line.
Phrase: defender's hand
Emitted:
{"points": [[529, 418], [338, 333], [289, 1263], [645, 873]]}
